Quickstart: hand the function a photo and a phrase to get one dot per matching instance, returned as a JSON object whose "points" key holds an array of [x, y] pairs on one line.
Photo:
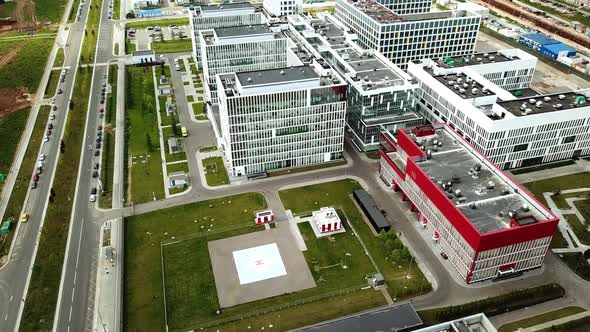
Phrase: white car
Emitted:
{"points": [[46, 138], [177, 67], [52, 117], [42, 157], [92, 198], [40, 163]]}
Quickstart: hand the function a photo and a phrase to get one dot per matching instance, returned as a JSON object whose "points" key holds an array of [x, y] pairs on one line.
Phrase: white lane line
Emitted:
{"points": [[75, 276], [11, 298], [6, 317], [79, 243], [73, 291], [70, 318]]}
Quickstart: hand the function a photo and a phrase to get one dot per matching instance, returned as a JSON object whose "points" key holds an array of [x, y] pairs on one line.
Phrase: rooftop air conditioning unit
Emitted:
{"points": [[539, 104], [532, 101], [547, 99]]}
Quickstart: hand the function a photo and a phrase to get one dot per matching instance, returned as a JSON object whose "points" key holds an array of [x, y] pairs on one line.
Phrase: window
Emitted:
{"points": [[569, 139], [520, 147]]}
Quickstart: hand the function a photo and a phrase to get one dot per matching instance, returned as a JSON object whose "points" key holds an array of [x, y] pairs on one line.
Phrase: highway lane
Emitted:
{"points": [[76, 301], [14, 278]]}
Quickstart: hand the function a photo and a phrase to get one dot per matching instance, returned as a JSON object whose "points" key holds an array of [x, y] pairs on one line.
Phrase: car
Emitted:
{"points": [[50, 126], [98, 139], [52, 117], [42, 157], [99, 133], [24, 217], [40, 163], [97, 146], [177, 67], [158, 28], [101, 115], [55, 107], [184, 131], [35, 177], [173, 26], [95, 174], [101, 110], [102, 100], [92, 198], [96, 153], [96, 166], [39, 170], [444, 255], [33, 185], [93, 191], [48, 133], [46, 139], [59, 91], [150, 28], [99, 127]]}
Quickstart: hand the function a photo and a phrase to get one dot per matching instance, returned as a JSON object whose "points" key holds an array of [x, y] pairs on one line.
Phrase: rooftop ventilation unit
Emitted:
{"points": [[525, 207], [539, 104], [523, 106], [461, 90], [472, 205], [532, 101], [512, 214], [547, 99], [282, 72], [249, 79], [528, 110], [561, 97], [558, 106], [474, 91]]}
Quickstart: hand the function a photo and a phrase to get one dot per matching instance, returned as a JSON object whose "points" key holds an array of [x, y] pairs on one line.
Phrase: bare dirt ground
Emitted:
{"points": [[12, 100]]}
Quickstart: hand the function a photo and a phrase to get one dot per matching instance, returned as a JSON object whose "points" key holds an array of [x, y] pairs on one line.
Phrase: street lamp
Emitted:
{"points": [[345, 266]]}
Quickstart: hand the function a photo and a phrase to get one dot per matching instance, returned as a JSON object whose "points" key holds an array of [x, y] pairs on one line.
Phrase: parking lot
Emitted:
{"points": [[144, 37]]}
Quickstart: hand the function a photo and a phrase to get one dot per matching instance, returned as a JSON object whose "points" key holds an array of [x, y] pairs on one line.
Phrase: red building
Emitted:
{"points": [[485, 223]]}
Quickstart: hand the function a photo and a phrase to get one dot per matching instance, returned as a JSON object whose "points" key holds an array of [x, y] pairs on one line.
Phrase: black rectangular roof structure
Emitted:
{"points": [[401, 317], [371, 210], [278, 75]]}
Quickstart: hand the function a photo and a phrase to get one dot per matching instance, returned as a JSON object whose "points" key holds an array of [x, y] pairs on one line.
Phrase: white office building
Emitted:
{"points": [[403, 7], [380, 94], [283, 7], [276, 118], [510, 69], [218, 16], [403, 38], [237, 49], [512, 129]]}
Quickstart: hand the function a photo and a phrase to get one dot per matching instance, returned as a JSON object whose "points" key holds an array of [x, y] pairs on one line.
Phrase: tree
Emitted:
{"points": [[587, 254]]}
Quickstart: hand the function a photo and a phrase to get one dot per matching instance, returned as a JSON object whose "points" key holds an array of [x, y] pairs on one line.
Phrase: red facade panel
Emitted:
{"points": [[408, 145]]}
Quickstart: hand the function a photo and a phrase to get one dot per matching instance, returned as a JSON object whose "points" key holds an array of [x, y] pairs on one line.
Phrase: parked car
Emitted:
{"points": [[50, 126], [98, 139], [46, 139], [97, 146], [52, 117], [92, 198], [96, 153], [444, 255], [48, 133], [39, 170], [24, 217], [42, 157], [40, 163], [97, 166], [33, 185], [95, 174], [93, 191], [101, 110], [36, 177], [59, 91], [99, 127]]}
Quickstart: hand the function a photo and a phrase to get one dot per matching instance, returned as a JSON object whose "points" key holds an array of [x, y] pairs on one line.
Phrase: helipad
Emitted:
{"points": [[259, 263]]}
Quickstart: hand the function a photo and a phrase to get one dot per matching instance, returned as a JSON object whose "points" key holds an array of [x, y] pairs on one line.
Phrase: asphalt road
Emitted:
{"points": [[76, 299], [15, 276]]}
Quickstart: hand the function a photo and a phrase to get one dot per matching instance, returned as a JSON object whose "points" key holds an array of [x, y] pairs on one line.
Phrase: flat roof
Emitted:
{"points": [[462, 85], [376, 11], [370, 207], [227, 6], [278, 75], [474, 59], [540, 38], [243, 30], [548, 103], [397, 318], [484, 197]]}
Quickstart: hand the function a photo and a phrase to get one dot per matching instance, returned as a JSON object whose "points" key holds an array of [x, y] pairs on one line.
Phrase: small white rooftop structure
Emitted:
{"points": [[326, 220]]}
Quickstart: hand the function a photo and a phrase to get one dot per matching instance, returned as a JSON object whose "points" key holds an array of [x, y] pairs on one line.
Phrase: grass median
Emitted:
{"points": [[91, 33], [142, 137], [23, 179], [540, 319], [139, 24], [215, 172], [108, 152], [39, 309], [52, 83], [172, 46]]}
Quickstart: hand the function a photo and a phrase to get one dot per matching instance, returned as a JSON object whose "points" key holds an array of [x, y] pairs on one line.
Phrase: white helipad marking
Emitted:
{"points": [[259, 263]]}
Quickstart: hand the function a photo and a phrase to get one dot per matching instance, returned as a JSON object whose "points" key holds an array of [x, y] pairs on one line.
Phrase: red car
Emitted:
{"points": [[35, 177], [101, 110]]}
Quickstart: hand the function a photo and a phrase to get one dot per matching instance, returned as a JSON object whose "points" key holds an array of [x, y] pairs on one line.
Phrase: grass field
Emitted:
{"points": [[21, 185], [49, 10], [172, 46], [572, 181], [215, 172], [577, 263], [578, 325], [11, 129], [144, 308], [180, 167], [142, 136], [108, 151], [208, 149], [91, 33], [26, 68], [281, 172], [41, 300], [52, 83], [74, 11], [129, 46], [579, 229], [59, 58], [198, 108], [540, 319], [152, 23], [116, 9], [304, 200]]}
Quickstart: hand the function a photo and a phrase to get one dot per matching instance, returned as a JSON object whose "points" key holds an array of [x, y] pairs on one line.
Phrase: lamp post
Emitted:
{"points": [[345, 266]]}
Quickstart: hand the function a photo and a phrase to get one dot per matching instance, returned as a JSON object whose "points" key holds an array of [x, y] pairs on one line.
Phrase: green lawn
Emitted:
{"points": [[215, 172], [142, 136], [540, 319], [91, 33], [167, 133], [26, 68], [280, 172], [52, 83], [579, 229], [514, 300], [305, 200], [143, 306], [108, 151], [49, 10], [189, 98], [116, 9], [577, 263], [129, 46], [558, 241], [180, 167], [41, 300], [59, 58], [11, 129], [73, 11], [572, 181], [172, 46], [116, 49], [578, 325], [198, 108], [167, 120], [208, 149], [152, 23], [21, 185]]}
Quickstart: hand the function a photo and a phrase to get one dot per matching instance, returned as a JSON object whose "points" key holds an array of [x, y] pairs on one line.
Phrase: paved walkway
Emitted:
{"points": [[559, 321], [573, 242], [527, 312]]}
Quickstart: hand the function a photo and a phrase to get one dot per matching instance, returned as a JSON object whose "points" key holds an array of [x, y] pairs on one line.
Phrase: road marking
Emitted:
{"points": [[73, 291], [70, 318], [75, 275], [11, 298], [6, 317], [79, 243]]}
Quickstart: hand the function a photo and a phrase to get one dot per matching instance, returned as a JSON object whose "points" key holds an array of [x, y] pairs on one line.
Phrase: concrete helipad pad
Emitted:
{"points": [[258, 265]]}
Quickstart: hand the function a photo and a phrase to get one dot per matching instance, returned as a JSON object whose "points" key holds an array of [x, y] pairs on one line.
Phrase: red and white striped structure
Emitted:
{"points": [[327, 220], [486, 223], [264, 217]]}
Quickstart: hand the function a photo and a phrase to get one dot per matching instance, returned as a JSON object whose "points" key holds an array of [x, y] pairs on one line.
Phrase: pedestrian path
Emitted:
{"points": [[573, 242]]}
